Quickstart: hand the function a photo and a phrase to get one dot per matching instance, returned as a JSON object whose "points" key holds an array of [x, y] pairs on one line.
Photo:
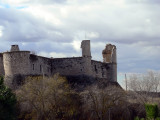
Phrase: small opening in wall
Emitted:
{"points": [[95, 67], [33, 66], [40, 68], [102, 74]]}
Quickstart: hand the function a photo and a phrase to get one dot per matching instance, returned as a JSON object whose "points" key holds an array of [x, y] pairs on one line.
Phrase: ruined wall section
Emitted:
{"points": [[1, 65], [98, 69], [69, 66], [40, 65], [104, 70]]}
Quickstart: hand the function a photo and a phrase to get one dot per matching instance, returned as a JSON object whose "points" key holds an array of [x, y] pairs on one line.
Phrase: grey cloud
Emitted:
{"points": [[144, 1], [134, 29], [19, 26]]}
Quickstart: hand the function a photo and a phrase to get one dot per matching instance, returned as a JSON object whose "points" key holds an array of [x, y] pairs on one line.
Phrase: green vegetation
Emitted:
{"points": [[7, 102], [151, 111]]}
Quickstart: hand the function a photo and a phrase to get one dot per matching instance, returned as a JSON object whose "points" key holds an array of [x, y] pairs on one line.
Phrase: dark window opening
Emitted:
{"points": [[40, 68], [102, 74], [95, 67], [33, 66]]}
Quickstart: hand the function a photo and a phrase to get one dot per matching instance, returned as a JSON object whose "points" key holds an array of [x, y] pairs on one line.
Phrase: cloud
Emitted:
{"points": [[144, 1], [58, 26], [29, 2]]}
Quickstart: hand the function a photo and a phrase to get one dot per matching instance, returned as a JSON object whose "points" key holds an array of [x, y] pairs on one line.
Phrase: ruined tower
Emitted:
{"points": [[110, 56], [85, 45], [86, 54]]}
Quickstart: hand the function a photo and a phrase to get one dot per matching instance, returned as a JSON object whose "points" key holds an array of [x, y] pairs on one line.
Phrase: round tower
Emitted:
{"points": [[86, 54], [85, 45], [15, 63], [110, 56]]}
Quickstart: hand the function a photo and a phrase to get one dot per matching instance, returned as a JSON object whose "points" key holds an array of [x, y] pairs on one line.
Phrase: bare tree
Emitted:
{"points": [[144, 86], [98, 102], [48, 98]]}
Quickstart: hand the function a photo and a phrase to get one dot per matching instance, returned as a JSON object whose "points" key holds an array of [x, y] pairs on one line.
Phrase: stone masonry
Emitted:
{"points": [[17, 62]]}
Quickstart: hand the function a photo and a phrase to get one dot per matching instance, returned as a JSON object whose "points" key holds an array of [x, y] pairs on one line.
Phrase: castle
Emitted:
{"points": [[17, 62]]}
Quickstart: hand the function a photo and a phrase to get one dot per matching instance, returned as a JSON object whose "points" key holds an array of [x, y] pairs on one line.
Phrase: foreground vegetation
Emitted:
{"points": [[52, 98], [8, 103]]}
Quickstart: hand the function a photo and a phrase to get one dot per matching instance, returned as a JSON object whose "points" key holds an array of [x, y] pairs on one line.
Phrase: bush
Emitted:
{"points": [[158, 118], [151, 111], [136, 118], [7, 102]]}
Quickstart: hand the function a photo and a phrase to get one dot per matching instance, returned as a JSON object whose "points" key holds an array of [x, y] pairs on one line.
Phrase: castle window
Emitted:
{"points": [[95, 67], [33, 66], [40, 68], [102, 74]]}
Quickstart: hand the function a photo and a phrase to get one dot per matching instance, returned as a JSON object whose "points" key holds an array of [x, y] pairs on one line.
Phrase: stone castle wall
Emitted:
{"points": [[99, 69], [1, 65], [23, 63], [40, 65], [69, 66]]}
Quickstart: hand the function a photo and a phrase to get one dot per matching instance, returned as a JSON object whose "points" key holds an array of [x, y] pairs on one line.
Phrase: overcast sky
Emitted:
{"points": [[57, 27]]}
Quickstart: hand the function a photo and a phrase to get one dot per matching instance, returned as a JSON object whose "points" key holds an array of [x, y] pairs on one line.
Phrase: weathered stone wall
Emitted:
{"points": [[69, 66], [40, 65], [104, 70], [113, 71], [98, 69], [1, 65]]}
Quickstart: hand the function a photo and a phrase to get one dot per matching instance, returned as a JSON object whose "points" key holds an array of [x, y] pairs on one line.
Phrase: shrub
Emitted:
{"points": [[151, 111], [136, 118], [7, 102], [158, 118]]}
